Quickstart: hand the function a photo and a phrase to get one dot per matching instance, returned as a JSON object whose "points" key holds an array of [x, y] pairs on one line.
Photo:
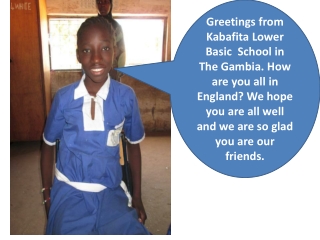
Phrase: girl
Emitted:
{"points": [[105, 9], [87, 195]]}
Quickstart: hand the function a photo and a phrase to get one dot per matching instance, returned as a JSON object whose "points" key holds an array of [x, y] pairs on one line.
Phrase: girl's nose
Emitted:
{"points": [[96, 57]]}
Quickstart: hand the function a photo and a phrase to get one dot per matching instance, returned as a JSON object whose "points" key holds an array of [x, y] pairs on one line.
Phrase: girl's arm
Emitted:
{"points": [[46, 162], [134, 156]]}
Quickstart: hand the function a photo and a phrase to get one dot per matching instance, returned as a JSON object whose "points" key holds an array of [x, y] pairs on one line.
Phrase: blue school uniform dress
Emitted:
{"points": [[88, 196]]}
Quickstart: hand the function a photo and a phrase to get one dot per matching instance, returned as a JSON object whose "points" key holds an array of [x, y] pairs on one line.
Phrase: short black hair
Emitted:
{"points": [[97, 20]]}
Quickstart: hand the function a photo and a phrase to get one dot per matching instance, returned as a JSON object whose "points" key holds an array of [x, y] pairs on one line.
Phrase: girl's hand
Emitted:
{"points": [[138, 205]]}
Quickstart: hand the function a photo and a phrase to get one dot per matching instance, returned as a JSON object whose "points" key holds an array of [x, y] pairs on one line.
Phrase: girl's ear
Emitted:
{"points": [[78, 57]]}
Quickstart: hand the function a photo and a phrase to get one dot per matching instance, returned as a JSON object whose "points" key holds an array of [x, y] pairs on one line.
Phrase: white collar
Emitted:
{"points": [[82, 91]]}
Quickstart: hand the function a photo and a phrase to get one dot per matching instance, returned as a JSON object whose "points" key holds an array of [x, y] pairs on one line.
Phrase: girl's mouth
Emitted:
{"points": [[97, 71]]}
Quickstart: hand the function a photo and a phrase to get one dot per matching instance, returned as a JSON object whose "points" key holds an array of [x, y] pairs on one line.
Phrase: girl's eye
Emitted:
{"points": [[86, 50], [105, 48]]}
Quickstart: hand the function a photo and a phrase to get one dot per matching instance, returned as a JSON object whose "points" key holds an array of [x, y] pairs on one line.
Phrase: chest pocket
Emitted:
{"points": [[113, 138]]}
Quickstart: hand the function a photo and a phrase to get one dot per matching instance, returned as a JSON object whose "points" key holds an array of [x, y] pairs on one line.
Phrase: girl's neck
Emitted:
{"points": [[93, 88]]}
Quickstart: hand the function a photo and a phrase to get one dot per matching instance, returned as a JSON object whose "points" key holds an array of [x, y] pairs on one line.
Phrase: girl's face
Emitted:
{"points": [[104, 7], [95, 52]]}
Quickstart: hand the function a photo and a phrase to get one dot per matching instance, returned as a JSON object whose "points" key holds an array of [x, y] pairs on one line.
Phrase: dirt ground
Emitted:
{"points": [[156, 183]]}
